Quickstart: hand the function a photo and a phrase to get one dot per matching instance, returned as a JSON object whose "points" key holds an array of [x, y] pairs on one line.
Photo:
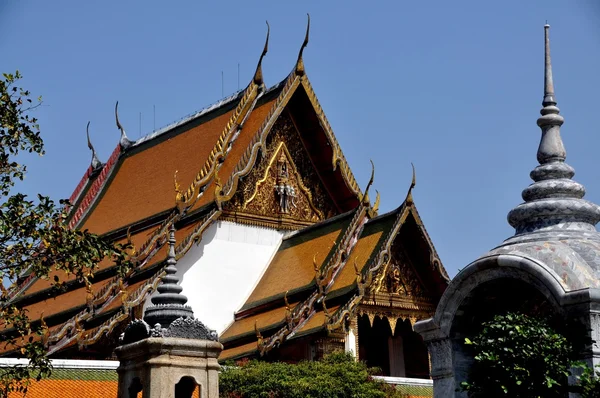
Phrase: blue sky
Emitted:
{"points": [[454, 87]]}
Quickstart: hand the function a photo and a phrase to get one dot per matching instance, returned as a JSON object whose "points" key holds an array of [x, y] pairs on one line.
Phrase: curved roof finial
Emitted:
{"points": [[124, 141], [258, 76], [96, 163], [300, 63], [413, 183], [365, 198]]}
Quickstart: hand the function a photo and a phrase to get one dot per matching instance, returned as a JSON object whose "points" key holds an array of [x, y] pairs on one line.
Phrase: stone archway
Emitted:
{"points": [[488, 286]]}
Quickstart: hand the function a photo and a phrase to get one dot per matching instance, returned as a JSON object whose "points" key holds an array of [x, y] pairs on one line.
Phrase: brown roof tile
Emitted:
{"points": [[143, 184], [314, 322], [138, 240], [235, 352], [52, 388], [251, 126], [60, 303], [246, 325], [292, 266], [360, 254]]}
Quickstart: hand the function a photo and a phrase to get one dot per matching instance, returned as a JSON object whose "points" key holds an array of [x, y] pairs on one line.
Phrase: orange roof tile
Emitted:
{"points": [[292, 266], [314, 322], [360, 255], [117, 302], [243, 350], [251, 126], [246, 325], [142, 185], [52, 388], [138, 240], [60, 303]]}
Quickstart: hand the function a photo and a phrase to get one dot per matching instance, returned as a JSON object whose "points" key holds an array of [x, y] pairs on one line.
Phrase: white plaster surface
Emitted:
{"points": [[219, 273], [350, 343]]}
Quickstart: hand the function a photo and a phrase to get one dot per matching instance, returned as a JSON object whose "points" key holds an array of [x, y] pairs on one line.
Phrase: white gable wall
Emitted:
{"points": [[219, 273]]}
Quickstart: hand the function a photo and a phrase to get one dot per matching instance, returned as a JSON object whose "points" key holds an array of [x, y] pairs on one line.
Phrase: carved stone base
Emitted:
{"points": [[157, 364]]}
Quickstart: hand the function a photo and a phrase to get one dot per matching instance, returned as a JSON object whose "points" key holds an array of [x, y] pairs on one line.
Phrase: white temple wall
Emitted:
{"points": [[219, 273]]}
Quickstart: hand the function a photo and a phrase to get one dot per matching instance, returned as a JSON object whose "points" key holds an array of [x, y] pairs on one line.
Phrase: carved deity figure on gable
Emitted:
{"points": [[283, 186]]}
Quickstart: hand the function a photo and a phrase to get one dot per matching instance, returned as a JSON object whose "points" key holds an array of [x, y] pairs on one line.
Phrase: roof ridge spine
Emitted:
{"points": [[92, 193]]}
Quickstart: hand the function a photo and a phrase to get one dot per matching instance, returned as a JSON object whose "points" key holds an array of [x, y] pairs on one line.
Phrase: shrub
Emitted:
{"points": [[335, 376], [518, 356]]}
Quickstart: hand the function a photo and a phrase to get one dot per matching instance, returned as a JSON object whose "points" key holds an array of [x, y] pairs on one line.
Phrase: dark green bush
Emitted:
{"points": [[518, 356], [336, 376]]}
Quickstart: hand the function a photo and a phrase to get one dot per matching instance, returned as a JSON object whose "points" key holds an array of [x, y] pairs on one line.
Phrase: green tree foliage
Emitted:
{"points": [[34, 238], [518, 356], [588, 382], [337, 375]]}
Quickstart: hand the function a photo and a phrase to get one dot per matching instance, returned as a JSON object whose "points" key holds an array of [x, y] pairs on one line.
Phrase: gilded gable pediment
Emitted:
{"points": [[283, 189]]}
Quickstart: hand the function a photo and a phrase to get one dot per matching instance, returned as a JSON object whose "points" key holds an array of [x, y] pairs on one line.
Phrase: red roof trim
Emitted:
{"points": [[96, 187]]}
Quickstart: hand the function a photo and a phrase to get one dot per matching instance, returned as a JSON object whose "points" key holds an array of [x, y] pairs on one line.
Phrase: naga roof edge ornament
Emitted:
{"points": [[299, 68], [96, 163], [258, 75], [124, 141]]}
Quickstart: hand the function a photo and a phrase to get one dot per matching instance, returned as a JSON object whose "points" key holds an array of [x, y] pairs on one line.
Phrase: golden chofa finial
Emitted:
{"points": [[300, 63], [409, 199], [258, 75], [365, 198]]}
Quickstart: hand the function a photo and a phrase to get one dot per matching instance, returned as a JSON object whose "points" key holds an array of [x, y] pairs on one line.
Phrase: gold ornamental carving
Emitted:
{"points": [[283, 186], [401, 279], [281, 190]]}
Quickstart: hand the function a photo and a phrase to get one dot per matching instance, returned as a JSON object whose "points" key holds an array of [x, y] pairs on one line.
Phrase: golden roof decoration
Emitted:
{"points": [[299, 68], [258, 75]]}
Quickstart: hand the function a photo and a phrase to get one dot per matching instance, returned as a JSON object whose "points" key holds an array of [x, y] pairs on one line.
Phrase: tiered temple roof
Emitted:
{"points": [[320, 275], [191, 174]]}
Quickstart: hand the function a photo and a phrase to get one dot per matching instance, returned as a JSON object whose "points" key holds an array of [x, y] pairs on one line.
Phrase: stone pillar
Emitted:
{"points": [[157, 364], [441, 359], [442, 372]]}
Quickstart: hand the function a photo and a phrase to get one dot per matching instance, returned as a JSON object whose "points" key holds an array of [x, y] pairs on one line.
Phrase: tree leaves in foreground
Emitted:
{"points": [[34, 239], [337, 375]]}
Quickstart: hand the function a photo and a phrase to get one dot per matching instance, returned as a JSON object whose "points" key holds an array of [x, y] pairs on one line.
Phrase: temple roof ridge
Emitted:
{"points": [[554, 202], [189, 117]]}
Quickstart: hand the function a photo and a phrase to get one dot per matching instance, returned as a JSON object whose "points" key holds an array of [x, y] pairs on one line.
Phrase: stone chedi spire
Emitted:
{"points": [[554, 202], [177, 357], [168, 316], [169, 304]]}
